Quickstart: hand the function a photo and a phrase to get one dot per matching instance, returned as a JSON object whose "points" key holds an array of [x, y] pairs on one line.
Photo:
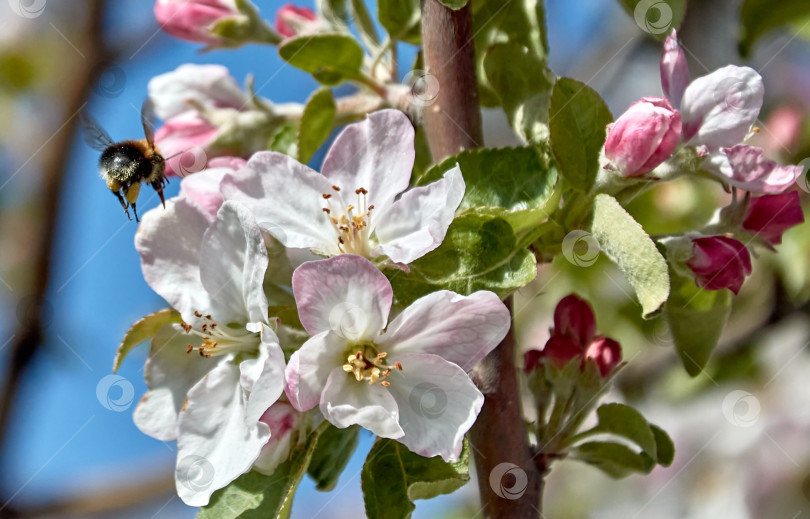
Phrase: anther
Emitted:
{"points": [[327, 196], [188, 350], [336, 188], [382, 355], [197, 313], [204, 327], [326, 210], [398, 365], [208, 316], [385, 383]]}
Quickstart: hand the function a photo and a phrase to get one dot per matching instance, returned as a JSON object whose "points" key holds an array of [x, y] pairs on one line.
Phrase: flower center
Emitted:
{"points": [[351, 222], [219, 340], [366, 364]]}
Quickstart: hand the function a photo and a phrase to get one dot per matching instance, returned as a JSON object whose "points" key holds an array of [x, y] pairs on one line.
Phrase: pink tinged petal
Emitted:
{"points": [[233, 261], [719, 109], [437, 402], [346, 294], [746, 167], [169, 373], [188, 85], [283, 420], [719, 262], [191, 19], [263, 377], [291, 19], [606, 353], [286, 198], [345, 402], [643, 137], [183, 139], [417, 223], [203, 188], [217, 441], [574, 318], [674, 70], [309, 368], [168, 241], [769, 216], [460, 329], [376, 154]]}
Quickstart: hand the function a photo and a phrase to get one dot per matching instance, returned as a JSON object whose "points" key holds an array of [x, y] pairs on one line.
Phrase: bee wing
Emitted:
{"points": [[148, 121], [94, 135]]}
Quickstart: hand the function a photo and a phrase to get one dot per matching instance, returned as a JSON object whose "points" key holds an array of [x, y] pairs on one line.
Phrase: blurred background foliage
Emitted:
{"points": [[740, 427]]}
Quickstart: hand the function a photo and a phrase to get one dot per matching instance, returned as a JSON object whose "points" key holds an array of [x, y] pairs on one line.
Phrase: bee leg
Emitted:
{"points": [[131, 194], [135, 211], [123, 203]]}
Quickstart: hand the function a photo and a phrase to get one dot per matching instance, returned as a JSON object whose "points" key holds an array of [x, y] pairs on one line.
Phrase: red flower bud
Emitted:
{"points": [[606, 353], [769, 216], [291, 19], [719, 262], [574, 318]]}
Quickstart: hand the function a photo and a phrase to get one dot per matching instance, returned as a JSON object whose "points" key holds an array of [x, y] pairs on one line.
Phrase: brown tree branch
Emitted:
{"points": [[452, 124]]}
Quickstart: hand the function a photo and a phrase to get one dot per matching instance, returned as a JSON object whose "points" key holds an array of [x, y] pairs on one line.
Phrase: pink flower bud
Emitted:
{"points": [[769, 216], [574, 318], [746, 167], [192, 19], [719, 262], [185, 138], [606, 353], [292, 20], [283, 420], [643, 137], [674, 70], [202, 188], [560, 349]]}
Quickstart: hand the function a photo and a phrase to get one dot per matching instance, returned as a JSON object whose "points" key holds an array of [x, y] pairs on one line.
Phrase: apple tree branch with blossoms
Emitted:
{"points": [[378, 292]]}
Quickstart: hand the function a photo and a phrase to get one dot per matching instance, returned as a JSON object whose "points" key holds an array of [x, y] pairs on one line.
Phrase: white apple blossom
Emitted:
{"points": [[351, 206], [190, 86], [407, 381], [212, 377]]}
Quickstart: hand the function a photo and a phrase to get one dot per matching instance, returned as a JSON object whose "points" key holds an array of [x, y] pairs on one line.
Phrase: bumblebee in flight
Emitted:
{"points": [[125, 165]]}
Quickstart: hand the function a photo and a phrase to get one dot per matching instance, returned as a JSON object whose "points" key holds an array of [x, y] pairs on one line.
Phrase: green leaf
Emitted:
{"points": [[614, 459], [256, 496], [519, 79], [330, 58], [626, 243], [316, 123], [393, 477], [696, 318], [761, 16], [578, 118], [365, 24], [656, 17], [401, 19], [513, 183], [285, 141], [626, 422], [664, 446], [480, 252], [496, 21], [335, 448], [144, 330], [454, 4]]}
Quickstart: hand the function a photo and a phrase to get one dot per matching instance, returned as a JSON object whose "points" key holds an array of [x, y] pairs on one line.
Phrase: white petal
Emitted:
{"points": [[719, 109], [286, 198], [169, 372], [216, 443], [309, 367], [438, 403], [233, 260], [263, 376], [168, 242], [376, 154], [417, 223], [203, 189], [209, 85], [461, 329], [346, 402], [346, 294]]}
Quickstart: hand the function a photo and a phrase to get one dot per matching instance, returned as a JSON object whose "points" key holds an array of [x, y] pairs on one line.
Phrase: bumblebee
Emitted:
{"points": [[125, 165]]}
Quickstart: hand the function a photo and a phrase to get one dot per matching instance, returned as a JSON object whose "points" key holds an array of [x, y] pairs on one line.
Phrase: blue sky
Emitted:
{"points": [[62, 439]]}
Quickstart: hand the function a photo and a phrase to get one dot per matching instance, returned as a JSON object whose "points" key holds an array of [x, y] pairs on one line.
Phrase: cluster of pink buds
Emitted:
{"points": [[574, 337]]}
